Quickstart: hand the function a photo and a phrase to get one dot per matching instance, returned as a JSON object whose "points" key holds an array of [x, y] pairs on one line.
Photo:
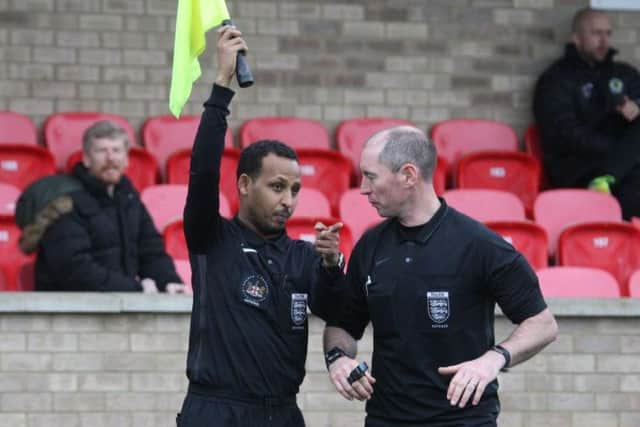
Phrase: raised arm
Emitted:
{"points": [[201, 216]]}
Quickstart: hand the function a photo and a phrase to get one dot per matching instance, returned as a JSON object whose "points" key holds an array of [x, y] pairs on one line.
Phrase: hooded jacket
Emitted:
{"points": [[102, 243], [574, 108]]}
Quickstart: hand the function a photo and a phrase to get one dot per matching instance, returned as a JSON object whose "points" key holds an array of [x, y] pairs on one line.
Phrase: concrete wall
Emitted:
{"points": [[423, 60], [97, 360]]}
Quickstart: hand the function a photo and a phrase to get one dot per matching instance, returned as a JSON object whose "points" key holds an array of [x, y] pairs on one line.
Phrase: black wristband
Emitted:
{"points": [[505, 353], [332, 355]]}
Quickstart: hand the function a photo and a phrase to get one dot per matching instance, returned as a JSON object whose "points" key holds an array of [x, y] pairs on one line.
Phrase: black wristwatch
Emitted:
{"points": [[332, 355], [505, 353]]}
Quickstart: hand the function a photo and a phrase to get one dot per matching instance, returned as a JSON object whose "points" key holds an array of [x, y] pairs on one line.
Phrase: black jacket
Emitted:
{"points": [[574, 108], [103, 244]]}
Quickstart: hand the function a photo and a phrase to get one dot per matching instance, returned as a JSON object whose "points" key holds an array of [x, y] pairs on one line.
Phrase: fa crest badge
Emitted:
{"points": [[298, 309], [438, 306], [255, 290]]}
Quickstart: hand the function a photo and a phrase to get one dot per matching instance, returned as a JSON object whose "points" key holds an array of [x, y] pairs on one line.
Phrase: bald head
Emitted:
{"points": [[583, 16], [401, 145]]}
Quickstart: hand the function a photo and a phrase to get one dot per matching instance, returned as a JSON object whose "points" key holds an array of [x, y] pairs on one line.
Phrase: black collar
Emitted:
{"points": [[422, 233], [252, 238], [571, 54], [98, 188]]}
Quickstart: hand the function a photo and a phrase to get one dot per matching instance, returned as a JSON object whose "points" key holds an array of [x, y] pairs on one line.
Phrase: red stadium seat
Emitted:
{"points": [[486, 205], [178, 172], [293, 131], [11, 258], [557, 209], [4, 282], [634, 285], [142, 169], [611, 246], [20, 165], [164, 135], [175, 242], [529, 238], [63, 132], [304, 229], [327, 171], [440, 176], [457, 137], [532, 147], [8, 197], [312, 203], [357, 213], [165, 203], [512, 171], [635, 221], [17, 128], [353, 133], [183, 268], [27, 276], [577, 282]]}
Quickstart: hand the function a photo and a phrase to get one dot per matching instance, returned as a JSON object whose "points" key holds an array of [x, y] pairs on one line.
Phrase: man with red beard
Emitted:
{"points": [[105, 240]]}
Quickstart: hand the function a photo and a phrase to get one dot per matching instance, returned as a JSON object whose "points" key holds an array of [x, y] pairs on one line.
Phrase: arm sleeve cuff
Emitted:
{"points": [[220, 97]]}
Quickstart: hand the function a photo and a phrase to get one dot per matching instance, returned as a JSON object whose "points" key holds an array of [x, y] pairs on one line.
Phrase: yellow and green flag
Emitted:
{"points": [[193, 20]]}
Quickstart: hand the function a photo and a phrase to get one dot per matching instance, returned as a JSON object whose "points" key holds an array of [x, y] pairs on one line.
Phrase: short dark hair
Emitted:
{"points": [[404, 146], [103, 129], [250, 162]]}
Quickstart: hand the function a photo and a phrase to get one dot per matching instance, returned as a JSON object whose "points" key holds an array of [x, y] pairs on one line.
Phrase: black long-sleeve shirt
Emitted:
{"points": [[249, 320]]}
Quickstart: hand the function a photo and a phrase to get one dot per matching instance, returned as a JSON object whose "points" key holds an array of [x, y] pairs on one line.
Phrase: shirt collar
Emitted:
{"points": [[255, 240], [422, 233]]}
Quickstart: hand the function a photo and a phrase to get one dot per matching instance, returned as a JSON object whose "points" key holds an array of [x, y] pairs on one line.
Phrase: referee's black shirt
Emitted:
{"points": [[430, 293], [248, 332]]}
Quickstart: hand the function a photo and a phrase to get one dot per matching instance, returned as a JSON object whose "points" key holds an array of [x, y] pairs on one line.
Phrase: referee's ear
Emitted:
{"points": [[409, 174]]}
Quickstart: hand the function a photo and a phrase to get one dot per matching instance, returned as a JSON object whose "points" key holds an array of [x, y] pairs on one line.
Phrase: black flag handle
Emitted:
{"points": [[243, 72]]}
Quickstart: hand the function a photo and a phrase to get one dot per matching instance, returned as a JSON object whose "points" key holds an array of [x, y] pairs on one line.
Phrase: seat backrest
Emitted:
{"points": [[529, 238], [183, 268], [456, 137], [165, 203], [164, 135], [634, 285], [577, 282], [440, 175], [312, 203], [11, 258], [486, 205], [174, 241], [16, 128], [353, 133], [302, 228], [327, 171], [178, 172], [20, 165], [8, 197], [512, 171], [610, 246], [357, 213], [63, 132], [533, 147], [293, 131], [560, 208], [142, 169]]}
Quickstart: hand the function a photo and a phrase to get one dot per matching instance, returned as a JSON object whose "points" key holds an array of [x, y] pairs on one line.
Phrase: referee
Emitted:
{"points": [[428, 279], [252, 284]]}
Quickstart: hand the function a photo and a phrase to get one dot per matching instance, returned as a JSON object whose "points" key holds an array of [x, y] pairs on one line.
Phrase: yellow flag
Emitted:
{"points": [[193, 20]]}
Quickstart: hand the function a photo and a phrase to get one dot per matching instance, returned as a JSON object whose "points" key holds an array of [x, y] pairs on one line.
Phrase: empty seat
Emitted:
{"points": [[557, 209], [164, 135], [165, 203], [327, 171], [11, 258], [183, 268], [8, 197], [440, 176], [293, 131], [175, 242], [457, 137], [486, 205], [304, 229], [529, 238], [142, 169], [512, 171], [17, 128], [20, 165], [312, 203], [178, 172], [357, 213], [577, 282], [611, 246], [353, 133], [634, 285], [63, 132]]}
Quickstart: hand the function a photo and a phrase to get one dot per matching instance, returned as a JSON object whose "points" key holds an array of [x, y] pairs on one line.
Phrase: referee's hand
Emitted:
{"points": [[339, 372], [327, 243]]}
